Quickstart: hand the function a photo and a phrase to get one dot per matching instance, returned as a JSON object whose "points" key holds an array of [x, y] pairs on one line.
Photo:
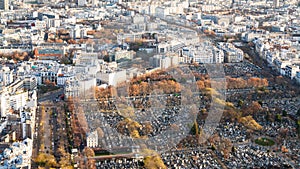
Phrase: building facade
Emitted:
{"points": [[92, 139], [4, 5]]}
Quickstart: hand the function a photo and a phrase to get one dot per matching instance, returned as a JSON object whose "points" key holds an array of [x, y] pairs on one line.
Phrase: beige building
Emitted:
{"points": [[4, 5], [92, 139]]}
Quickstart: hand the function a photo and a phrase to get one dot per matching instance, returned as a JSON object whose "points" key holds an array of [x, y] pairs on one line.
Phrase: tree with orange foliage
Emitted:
{"points": [[252, 109], [144, 88], [88, 152], [59, 41], [257, 82], [147, 128], [91, 32], [127, 40], [200, 84], [72, 41], [49, 83], [134, 90], [235, 83], [238, 83]]}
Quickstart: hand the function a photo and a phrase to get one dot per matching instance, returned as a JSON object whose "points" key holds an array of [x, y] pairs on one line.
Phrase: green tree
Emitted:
{"points": [[195, 128], [213, 147], [278, 118], [298, 127], [284, 113], [233, 149], [240, 103]]}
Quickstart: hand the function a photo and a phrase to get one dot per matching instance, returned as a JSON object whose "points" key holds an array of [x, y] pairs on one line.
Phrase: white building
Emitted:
{"points": [[92, 139], [81, 2], [95, 3], [80, 87], [62, 78], [39, 25], [82, 58], [276, 3], [111, 77], [161, 12], [30, 83], [18, 155], [71, 88], [231, 53], [291, 70], [18, 100], [280, 65], [49, 76], [297, 77], [4, 102], [116, 77], [203, 53], [124, 54], [6, 76], [164, 61]]}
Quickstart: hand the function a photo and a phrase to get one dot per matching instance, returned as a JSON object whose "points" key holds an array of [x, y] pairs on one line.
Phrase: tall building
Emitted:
{"points": [[6, 75], [95, 3], [276, 3], [164, 61], [4, 5], [81, 2], [232, 3]]}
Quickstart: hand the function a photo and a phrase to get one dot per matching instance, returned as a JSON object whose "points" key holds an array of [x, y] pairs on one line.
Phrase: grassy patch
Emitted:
{"points": [[47, 88], [264, 142], [104, 152]]}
